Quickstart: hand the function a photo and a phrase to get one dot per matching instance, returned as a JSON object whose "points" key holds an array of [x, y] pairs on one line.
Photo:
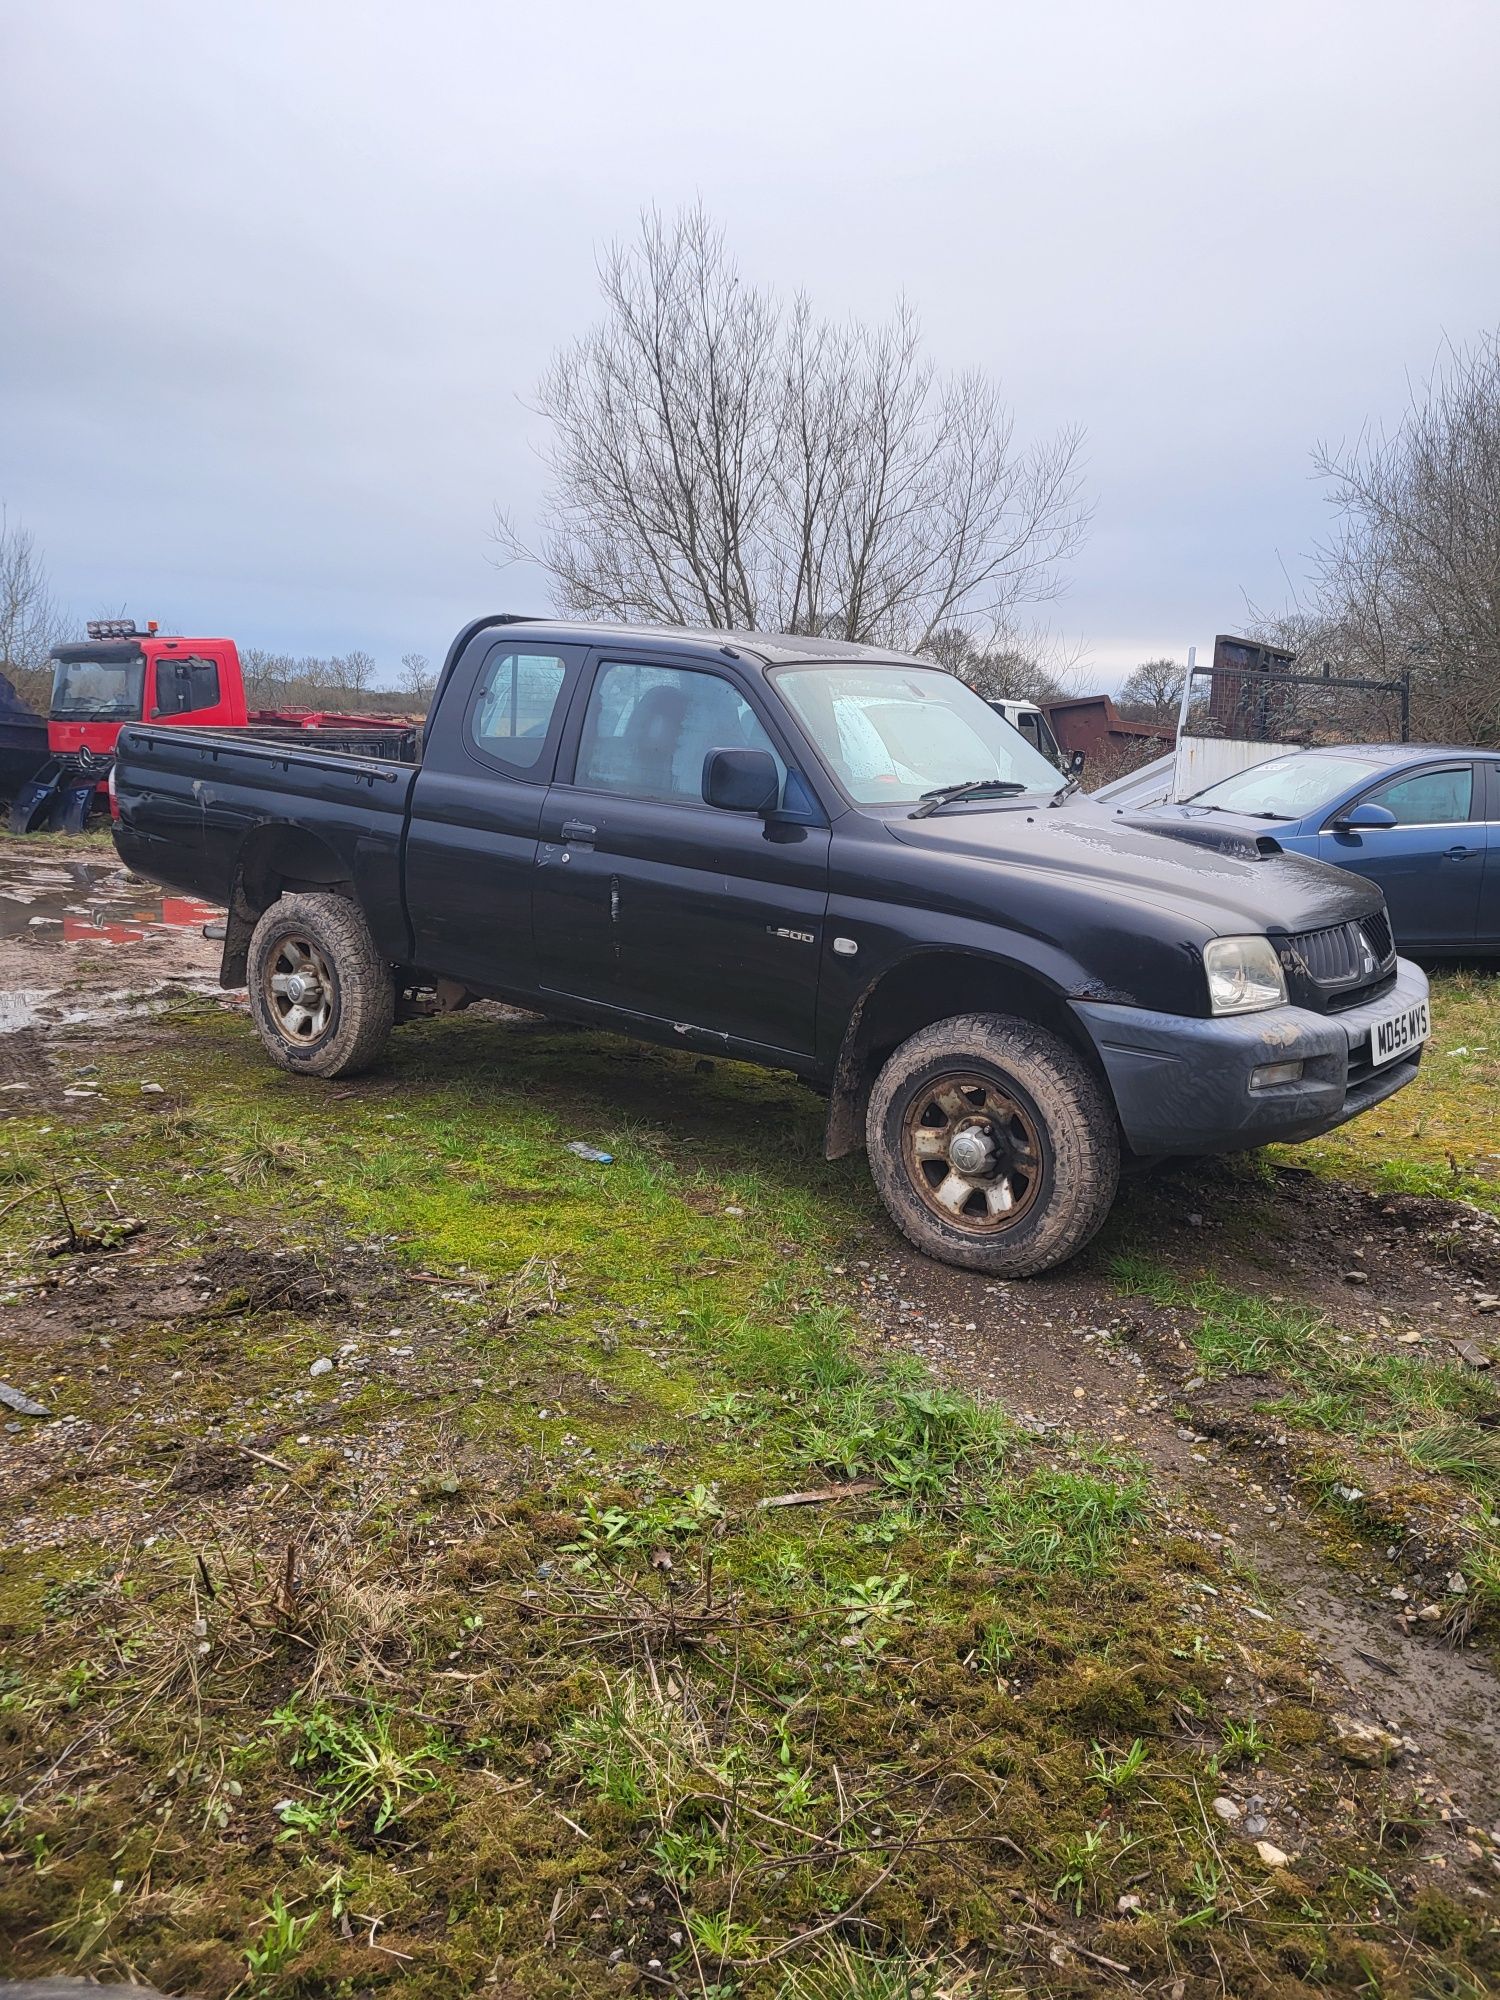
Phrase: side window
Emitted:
{"points": [[514, 704], [1435, 798], [184, 685], [648, 730]]}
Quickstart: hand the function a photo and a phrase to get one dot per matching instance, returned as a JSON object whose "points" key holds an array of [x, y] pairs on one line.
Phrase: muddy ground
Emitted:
{"points": [[81, 940]]}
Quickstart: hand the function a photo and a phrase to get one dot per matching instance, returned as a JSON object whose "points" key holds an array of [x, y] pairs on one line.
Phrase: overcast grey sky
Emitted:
{"points": [[276, 280]]}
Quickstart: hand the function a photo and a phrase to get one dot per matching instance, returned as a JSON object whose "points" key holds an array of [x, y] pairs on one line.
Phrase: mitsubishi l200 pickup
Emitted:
{"points": [[806, 854]]}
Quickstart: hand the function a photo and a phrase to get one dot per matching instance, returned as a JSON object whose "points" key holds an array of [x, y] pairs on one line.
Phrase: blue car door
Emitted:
{"points": [[1487, 930], [1430, 863]]}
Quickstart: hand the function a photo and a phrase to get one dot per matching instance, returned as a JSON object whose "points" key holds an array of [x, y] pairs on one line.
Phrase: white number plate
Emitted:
{"points": [[1398, 1034]]}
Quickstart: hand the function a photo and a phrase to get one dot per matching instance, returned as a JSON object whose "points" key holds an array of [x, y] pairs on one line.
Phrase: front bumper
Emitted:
{"points": [[1182, 1085]]}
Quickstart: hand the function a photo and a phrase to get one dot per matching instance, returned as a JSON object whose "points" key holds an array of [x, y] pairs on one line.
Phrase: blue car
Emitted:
{"points": [[1421, 820]]}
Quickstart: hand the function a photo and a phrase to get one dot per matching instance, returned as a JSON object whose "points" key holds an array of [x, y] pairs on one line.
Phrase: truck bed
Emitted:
{"points": [[395, 741], [197, 804]]}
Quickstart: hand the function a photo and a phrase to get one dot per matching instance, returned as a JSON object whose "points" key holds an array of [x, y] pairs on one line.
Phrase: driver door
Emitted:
{"points": [[1430, 863], [657, 906]]}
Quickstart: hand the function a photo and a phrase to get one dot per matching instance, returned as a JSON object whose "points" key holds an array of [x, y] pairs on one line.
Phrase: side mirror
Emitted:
{"points": [[1361, 818], [1077, 761], [745, 781]]}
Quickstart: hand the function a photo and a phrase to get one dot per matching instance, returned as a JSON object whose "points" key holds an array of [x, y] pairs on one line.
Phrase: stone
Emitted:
{"points": [[1364, 1743], [1271, 1854], [322, 1366], [1226, 1809]]}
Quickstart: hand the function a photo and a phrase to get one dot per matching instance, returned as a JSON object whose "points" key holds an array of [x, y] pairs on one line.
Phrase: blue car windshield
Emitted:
{"points": [[1287, 787]]}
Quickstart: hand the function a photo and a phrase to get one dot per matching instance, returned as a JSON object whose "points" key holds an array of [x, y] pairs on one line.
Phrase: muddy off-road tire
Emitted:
{"points": [[992, 1144], [321, 996]]}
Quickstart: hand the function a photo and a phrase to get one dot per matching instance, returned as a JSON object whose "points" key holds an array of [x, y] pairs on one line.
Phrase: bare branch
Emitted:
{"points": [[721, 457]]}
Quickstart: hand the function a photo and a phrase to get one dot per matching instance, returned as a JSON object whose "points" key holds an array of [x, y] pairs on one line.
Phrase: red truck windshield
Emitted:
{"points": [[107, 690]]}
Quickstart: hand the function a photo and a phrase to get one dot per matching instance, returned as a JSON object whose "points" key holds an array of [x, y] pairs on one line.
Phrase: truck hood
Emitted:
{"points": [[1232, 886]]}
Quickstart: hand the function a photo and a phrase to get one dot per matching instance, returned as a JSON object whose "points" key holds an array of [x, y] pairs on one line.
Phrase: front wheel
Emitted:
{"points": [[993, 1145], [321, 996]]}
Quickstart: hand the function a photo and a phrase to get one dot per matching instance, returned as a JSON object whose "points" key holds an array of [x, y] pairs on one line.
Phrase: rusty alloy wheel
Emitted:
{"points": [[300, 989], [973, 1152]]}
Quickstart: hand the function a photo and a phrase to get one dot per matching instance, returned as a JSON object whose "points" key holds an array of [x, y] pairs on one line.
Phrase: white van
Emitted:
{"points": [[1034, 726]]}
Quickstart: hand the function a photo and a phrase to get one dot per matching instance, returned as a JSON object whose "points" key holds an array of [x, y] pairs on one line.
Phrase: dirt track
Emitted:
{"points": [[1118, 1369]]}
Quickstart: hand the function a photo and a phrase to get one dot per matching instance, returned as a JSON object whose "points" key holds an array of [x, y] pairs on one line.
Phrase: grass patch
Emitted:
{"points": [[1437, 1137]]}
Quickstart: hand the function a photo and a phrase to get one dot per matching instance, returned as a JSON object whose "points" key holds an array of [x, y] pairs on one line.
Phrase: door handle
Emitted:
{"points": [[577, 829], [1463, 853]]}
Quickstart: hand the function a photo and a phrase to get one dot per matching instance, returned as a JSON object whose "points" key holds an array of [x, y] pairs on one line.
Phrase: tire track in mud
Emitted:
{"points": [[1071, 1353]]}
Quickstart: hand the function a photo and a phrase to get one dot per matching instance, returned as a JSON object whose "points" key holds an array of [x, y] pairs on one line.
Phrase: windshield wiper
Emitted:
{"points": [[1065, 790], [970, 789]]}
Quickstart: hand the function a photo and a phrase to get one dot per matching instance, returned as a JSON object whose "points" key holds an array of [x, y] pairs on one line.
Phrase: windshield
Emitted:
{"points": [[1286, 787], [890, 734], [98, 690]]}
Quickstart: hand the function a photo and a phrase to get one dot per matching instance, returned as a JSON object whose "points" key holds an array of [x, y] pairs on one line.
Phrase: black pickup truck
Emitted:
{"points": [[805, 854]]}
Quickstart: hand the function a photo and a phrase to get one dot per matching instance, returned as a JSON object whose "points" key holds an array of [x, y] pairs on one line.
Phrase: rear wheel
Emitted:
{"points": [[993, 1145], [321, 996]]}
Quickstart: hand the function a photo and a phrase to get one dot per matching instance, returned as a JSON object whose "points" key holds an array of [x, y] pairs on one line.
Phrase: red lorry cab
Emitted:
{"points": [[119, 676]]}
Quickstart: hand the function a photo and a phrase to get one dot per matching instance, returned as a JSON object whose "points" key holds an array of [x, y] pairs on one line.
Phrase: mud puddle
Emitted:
{"points": [[80, 942]]}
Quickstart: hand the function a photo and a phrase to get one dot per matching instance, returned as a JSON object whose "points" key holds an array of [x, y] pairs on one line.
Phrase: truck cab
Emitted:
{"points": [[119, 675]]}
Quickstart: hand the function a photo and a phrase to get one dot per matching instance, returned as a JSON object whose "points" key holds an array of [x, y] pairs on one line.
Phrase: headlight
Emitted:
{"points": [[1244, 975]]}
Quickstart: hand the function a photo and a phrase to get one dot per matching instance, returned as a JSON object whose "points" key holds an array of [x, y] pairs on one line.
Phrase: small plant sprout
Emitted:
{"points": [[1083, 1860], [280, 1939], [1243, 1742], [1119, 1775], [358, 1763], [873, 1608]]}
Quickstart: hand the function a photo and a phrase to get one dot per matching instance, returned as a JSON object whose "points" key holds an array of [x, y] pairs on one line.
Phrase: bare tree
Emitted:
{"points": [[1410, 579], [351, 673], [1003, 666], [277, 680], [418, 677], [30, 622], [1152, 691], [721, 457]]}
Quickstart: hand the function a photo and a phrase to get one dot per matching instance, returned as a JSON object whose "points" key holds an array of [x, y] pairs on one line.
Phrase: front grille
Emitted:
{"points": [[1377, 930], [1342, 964], [1330, 957]]}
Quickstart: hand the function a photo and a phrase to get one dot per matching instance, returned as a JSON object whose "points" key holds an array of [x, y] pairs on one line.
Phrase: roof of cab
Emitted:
{"points": [[772, 649]]}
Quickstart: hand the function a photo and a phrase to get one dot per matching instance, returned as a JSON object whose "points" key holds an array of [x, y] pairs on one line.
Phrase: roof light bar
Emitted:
{"points": [[112, 628]]}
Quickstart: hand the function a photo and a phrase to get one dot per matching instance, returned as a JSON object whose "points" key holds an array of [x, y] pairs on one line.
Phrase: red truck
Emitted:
{"points": [[120, 674]]}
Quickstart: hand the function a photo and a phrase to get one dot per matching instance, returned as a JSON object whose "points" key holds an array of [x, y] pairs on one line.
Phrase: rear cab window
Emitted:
{"points": [[515, 711]]}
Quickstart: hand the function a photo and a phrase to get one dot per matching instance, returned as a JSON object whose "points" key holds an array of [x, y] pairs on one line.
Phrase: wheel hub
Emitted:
{"points": [[299, 989], [973, 1152]]}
